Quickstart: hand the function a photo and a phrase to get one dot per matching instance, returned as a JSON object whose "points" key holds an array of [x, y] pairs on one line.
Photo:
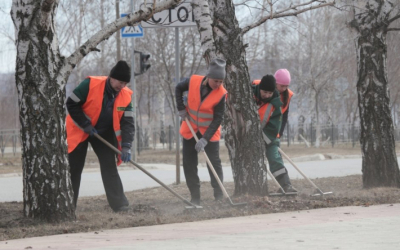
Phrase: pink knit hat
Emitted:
{"points": [[282, 77]]}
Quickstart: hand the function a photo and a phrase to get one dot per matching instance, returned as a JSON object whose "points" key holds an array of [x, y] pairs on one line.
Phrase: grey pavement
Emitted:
{"points": [[352, 228], [91, 184]]}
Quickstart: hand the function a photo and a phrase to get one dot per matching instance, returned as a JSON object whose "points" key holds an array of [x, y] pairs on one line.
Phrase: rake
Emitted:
{"points": [[305, 177], [191, 205], [213, 170], [283, 193]]}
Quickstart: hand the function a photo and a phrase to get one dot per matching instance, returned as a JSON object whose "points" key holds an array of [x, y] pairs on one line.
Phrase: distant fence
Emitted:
{"points": [[155, 138], [330, 134], [147, 138], [158, 138], [9, 138]]}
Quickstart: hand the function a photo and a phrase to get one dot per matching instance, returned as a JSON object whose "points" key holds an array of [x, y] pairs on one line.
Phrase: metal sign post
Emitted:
{"points": [[133, 32], [180, 16], [177, 77]]}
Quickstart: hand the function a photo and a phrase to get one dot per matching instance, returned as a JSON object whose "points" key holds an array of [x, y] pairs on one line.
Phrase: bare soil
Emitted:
{"points": [[155, 206]]}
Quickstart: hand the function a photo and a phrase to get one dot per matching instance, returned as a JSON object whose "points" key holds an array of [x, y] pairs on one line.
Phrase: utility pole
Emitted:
{"points": [[177, 78], [133, 87]]}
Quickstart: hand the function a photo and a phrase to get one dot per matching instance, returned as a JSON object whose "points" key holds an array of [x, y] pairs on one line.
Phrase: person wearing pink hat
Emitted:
{"points": [[282, 77]]}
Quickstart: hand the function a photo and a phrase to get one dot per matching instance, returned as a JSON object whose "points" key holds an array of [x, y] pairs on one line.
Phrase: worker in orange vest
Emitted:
{"points": [[269, 109], [205, 110], [283, 79], [102, 105]]}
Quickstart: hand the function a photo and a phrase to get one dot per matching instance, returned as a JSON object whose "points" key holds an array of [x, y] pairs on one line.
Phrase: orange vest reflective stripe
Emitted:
{"points": [[92, 109], [201, 113], [288, 102], [265, 112]]}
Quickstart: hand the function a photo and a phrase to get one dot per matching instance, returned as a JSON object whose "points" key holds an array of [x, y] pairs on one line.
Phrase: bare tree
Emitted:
{"points": [[8, 97], [371, 20], [160, 43], [320, 68], [222, 37], [394, 72], [118, 33], [41, 75]]}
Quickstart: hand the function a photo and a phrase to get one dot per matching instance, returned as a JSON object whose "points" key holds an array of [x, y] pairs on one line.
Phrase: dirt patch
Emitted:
{"points": [[155, 206]]}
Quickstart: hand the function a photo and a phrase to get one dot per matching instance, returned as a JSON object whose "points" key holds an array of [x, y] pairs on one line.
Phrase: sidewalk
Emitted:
{"points": [[353, 228]]}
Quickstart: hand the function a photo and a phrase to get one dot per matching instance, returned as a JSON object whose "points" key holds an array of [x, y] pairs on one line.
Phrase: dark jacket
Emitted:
{"points": [[271, 129]]}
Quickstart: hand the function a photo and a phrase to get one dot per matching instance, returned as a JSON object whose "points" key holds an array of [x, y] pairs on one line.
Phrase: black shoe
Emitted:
{"points": [[195, 201], [219, 198], [218, 195], [122, 209], [289, 189]]}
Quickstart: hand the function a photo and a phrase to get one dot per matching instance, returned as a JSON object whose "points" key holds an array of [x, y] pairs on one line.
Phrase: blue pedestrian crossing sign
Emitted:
{"points": [[131, 31]]}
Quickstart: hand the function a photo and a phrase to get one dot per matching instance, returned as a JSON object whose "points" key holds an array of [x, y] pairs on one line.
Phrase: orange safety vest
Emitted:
{"points": [[201, 113], [290, 97], [264, 111], [92, 109]]}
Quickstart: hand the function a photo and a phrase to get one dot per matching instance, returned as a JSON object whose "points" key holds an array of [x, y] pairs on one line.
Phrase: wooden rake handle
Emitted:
{"points": [[208, 161]]}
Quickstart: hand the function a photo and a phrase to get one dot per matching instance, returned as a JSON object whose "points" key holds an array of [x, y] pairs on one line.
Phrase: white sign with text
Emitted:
{"points": [[180, 16]]}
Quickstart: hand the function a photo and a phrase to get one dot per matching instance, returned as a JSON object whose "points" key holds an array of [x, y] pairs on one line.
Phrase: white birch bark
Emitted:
{"points": [[41, 75], [371, 21], [222, 37]]}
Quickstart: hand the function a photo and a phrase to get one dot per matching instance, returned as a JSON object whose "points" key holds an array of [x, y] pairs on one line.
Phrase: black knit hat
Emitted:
{"points": [[121, 71], [268, 83]]}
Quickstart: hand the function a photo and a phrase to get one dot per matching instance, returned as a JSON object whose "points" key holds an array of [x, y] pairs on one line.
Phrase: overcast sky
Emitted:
{"points": [[7, 47]]}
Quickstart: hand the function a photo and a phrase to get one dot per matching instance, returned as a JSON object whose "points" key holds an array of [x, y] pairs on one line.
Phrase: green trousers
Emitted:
{"points": [[275, 161]]}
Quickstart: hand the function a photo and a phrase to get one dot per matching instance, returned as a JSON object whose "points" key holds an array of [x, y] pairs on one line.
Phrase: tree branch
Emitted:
{"points": [[394, 18], [393, 29], [283, 13], [131, 19]]}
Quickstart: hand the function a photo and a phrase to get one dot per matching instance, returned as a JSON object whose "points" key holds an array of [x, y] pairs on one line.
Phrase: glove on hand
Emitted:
{"points": [[182, 114], [126, 154], [90, 130], [200, 145]]}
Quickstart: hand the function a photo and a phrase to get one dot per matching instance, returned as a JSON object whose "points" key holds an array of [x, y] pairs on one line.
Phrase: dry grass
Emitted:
{"points": [[157, 206]]}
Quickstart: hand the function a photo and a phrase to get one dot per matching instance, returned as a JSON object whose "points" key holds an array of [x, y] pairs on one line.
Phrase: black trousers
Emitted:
{"points": [[190, 161], [108, 166]]}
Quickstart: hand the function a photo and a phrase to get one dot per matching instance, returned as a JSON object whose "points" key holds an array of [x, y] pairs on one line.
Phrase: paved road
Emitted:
{"points": [[91, 185], [346, 228]]}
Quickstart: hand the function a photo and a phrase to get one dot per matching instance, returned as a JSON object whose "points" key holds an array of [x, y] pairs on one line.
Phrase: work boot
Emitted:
{"points": [[289, 189], [285, 183], [218, 194], [195, 201], [195, 196], [122, 209]]}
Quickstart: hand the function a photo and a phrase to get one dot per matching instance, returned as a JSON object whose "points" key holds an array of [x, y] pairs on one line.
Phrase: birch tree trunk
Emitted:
{"points": [[379, 161], [47, 187], [41, 75], [221, 37]]}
